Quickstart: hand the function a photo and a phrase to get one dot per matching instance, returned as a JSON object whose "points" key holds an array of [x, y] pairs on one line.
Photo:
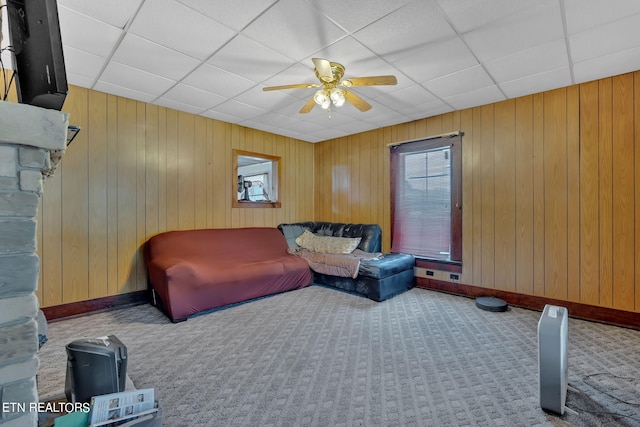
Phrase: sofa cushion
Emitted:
{"points": [[371, 234], [327, 244], [386, 265]]}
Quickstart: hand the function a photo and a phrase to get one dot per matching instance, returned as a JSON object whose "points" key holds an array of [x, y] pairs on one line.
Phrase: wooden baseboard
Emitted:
{"points": [[610, 316], [581, 311], [80, 308]]}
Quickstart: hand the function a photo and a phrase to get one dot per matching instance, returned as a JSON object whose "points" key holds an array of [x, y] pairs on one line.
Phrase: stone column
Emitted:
{"points": [[32, 141]]}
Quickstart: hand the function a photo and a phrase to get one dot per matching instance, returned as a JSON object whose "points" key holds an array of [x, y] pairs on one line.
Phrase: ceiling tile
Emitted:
{"points": [[467, 80], [133, 78], [535, 83], [586, 14], [467, 15], [608, 65], [272, 99], [235, 108], [218, 81], [123, 92], [407, 97], [250, 59], [80, 81], [538, 59], [294, 29], [236, 14], [603, 40], [199, 38], [429, 109], [436, 60], [83, 63], [190, 95], [530, 27], [212, 114], [180, 106], [413, 25], [351, 16], [484, 96], [139, 53], [84, 33], [113, 12]]}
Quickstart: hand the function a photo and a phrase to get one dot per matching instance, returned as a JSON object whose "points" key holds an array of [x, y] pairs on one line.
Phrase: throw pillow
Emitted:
{"points": [[328, 244], [291, 233]]}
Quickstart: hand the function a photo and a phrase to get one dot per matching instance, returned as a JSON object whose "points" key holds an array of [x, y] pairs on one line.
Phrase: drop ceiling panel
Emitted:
{"points": [[190, 95], [550, 79], [536, 25], [236, 14], [436, 60], [116, 13], [468, 99], [83, 64], [587, 14], [535, 60], [467, 80], [294, 29], [250, 59], [180, 106], [239, 109], [467, 15], [199, 38], [123, 92], [414, 24], [85, 33], [605, 66], [218, 81], [133, 78], [606, 39], [145, 55], [342, 12]]}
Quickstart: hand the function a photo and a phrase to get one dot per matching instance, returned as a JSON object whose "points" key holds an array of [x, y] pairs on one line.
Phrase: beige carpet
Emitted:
{"points": [[321, 357]]}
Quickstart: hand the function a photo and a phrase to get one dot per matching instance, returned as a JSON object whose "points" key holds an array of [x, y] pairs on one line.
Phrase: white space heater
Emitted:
{"points": [[553, 330]]}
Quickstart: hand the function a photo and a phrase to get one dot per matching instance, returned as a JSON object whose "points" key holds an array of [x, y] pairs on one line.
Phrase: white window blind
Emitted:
{"points": [[423, 194]]}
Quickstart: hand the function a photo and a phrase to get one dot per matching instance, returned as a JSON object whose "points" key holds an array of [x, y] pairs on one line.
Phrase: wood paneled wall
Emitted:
{"points": [[551, 190], [137, 169]]}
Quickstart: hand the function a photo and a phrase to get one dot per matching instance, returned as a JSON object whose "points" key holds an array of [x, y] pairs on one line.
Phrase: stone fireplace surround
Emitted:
{"points": [[32, 142]]}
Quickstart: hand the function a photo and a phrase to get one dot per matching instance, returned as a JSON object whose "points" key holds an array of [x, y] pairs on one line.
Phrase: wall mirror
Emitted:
{"points": [[256, 177]]}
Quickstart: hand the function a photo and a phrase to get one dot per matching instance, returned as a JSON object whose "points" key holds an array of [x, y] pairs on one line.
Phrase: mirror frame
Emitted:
{"points": [[258, 203]]}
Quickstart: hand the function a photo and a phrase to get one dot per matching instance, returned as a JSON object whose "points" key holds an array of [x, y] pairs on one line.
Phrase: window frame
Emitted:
{"points": [[275, 178], [454, 141]]}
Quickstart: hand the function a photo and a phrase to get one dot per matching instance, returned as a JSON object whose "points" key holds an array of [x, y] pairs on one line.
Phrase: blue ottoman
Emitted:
{"points": [[378, 279]]}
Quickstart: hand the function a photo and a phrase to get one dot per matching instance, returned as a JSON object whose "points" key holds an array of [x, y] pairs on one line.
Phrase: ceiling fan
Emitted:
{"points": [[333, 88]]}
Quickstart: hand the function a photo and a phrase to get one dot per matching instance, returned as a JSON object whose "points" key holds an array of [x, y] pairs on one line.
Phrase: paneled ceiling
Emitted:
{"points": [[213, 57]]}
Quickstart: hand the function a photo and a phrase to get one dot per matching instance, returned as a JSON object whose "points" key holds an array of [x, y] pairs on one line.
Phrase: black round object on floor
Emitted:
{"points": [[491, 304]]}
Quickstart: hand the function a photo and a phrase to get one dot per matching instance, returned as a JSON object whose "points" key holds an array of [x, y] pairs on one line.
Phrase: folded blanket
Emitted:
{"points": [[343, 265]]}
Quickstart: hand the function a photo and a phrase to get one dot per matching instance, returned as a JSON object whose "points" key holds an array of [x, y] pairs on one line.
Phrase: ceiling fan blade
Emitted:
{"points": [[369, 81], [356, 101], [308, 106], [296, 86], [323, 67]]}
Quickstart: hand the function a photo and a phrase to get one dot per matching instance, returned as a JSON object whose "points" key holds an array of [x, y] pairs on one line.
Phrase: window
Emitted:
{"points": [[257, 188], [426, 198], [257, 180]]}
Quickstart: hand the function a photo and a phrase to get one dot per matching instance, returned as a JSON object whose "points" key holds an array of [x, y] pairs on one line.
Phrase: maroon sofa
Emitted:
{"points": [[197, 270]]}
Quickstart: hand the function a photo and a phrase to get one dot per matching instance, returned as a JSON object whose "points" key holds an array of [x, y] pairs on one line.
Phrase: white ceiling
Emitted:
{"points": [[213, 57]]}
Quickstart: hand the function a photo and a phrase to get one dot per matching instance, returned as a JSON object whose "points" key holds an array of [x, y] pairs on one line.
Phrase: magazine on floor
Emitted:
{"points": [[116, 407]]}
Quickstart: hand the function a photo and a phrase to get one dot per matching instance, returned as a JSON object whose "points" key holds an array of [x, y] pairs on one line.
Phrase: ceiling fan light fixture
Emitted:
{"points": [[322, 98], [337, 96]]}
